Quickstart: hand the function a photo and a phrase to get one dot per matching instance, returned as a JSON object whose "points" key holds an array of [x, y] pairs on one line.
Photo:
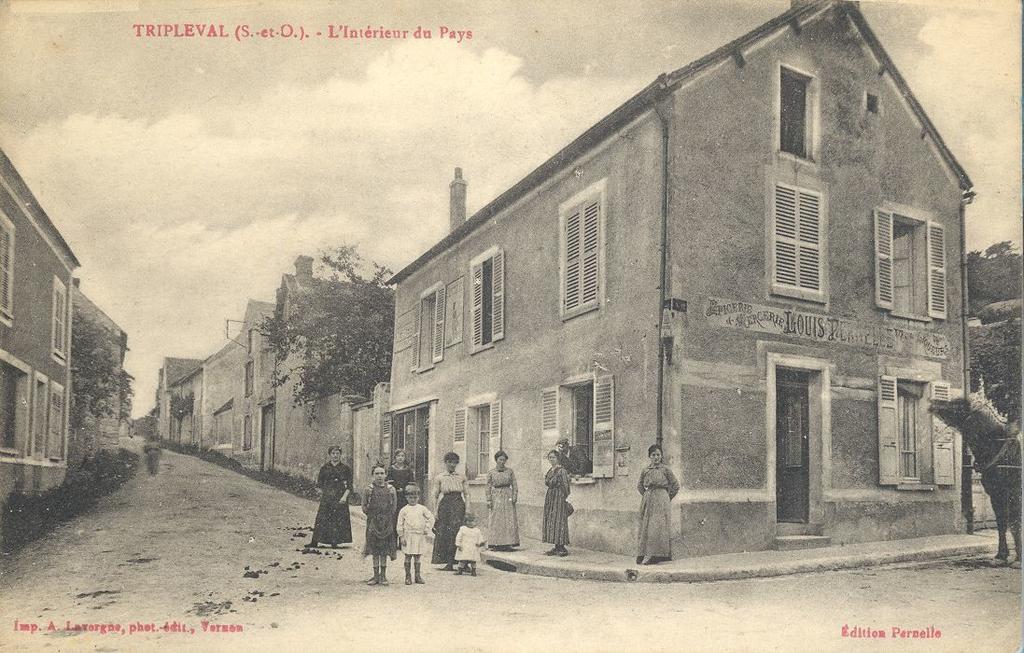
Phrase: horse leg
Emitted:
{"points": [[999, 508]]}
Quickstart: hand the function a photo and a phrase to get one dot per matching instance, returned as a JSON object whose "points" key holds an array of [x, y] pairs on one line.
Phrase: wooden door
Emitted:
{"points": [[792, 432]]}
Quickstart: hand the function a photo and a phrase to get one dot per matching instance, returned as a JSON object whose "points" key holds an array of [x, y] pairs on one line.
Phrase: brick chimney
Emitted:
{"points": [[457, 205], [304, 267]]}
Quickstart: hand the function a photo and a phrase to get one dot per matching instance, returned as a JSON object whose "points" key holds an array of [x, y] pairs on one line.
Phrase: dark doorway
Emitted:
{"points": [[267, 437], [792, 433], [411, 432]]}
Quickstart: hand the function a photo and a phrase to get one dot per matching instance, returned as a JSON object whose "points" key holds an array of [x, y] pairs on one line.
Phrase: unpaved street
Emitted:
{"points": [[174, 550]]}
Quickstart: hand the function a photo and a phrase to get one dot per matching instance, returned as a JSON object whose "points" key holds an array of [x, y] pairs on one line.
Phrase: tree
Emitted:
{"points": [[337, 334], [996, 364], [993, 275], [99, 387]]}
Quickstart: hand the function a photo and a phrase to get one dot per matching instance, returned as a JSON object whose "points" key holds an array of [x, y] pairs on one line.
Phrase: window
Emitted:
{"points": [[6, 268], [247, 433], [60, 312], [584, 412], [249, 378], [796, 120], [250, 342], [911, 449], [55, 443], [798, 243], [487, 273], [483, 424], [910, 266], [871, 103], [428, 335], [14, 387], [581, 257]]}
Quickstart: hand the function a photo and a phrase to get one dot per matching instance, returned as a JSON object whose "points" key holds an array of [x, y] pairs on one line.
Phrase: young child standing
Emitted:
{"points": [[468, 542], [414, 523], [379, 508]]}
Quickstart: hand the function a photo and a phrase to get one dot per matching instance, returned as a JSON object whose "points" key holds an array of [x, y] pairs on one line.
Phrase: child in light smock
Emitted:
{"points": [[468, 543], [415, 523]]}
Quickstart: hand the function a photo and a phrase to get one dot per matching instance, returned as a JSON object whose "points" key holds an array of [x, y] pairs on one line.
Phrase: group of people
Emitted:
{"points": [[395, 518]]}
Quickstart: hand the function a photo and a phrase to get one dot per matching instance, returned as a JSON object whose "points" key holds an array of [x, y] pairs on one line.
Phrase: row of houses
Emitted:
{"points": [[40, 300], [755, 262]]}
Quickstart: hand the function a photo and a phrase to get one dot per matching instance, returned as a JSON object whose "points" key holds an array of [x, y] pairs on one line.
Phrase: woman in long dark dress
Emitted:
{"points": [[450, 491], [556, 506], [400, 474], [659, 486], [333, 524]]}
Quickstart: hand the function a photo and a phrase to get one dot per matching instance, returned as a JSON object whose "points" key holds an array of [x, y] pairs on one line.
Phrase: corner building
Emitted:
{"points": [[755, 261]]}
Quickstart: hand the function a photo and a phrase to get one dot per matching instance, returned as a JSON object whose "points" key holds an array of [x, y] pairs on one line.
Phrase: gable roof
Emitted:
{"points": [[668, 83], [175, 369]]}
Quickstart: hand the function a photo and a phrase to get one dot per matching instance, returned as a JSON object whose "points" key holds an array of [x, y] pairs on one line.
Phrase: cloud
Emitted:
{"points": [[178, 218]]}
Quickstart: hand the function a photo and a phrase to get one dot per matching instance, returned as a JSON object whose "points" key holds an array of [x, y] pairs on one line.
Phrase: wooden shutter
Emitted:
{"points": [[591, 277], [888, 432], [571, 289], [59, 312], [810, 240], [604, 426], [785, 248], [498, 296], [459, 437], [477, 276], [883, 260], [943, 453], [495, 429], [416, 336], [940, 391], [6, 251], [438, 344], [55, 444], [548, 423], [936, 270]]}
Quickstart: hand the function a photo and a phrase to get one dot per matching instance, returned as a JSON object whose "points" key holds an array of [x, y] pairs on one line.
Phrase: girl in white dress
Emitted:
{"points": [[415, 523], [468, 542]]}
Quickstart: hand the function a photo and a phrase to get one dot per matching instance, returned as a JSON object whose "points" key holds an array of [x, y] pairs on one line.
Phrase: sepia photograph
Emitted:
{"points": [[499, 326]]}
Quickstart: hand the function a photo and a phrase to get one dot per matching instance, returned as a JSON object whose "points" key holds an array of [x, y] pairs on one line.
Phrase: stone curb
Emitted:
{"points": [[561, 568]]}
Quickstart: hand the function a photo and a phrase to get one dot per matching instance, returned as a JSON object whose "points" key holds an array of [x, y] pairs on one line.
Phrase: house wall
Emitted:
{"points": [[224, 380], [720, 395], [539, 349], [303, 433], [26, 344]]}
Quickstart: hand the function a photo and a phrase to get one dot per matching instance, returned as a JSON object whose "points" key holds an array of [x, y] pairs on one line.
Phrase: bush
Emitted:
{"points": [[27, 517], [297, 485]]}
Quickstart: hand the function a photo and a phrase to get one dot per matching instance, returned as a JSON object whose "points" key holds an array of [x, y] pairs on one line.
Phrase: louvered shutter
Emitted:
{"points": [[6, 251], [810, 241], [495, 430], [796, 249], [940, 391], [385, 434], [573, 261], [936, 270], [883, 260], [590, 287], [943, 453], [604, 427], [55, 446], [498, 296], [888, 432], [477, 275], [785, 248], [459, 437], [438, 345], [59, 316], [548, 423], [416, 336]]}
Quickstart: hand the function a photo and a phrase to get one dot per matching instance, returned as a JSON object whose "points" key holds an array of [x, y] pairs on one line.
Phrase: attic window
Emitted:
{"points": [[796, 106], [872, 103]]}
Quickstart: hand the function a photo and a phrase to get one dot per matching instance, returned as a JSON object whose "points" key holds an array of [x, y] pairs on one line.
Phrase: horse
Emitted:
{"points": [[996, 447]]}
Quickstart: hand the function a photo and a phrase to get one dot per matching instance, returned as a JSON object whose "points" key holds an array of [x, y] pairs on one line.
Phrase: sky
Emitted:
{"points": [[188, 173]]}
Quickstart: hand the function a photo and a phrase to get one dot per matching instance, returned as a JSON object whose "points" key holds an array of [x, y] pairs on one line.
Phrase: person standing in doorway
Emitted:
{"points": [[659, 486], [450, 492]]}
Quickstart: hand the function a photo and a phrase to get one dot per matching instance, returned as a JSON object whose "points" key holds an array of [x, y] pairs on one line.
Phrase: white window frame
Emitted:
{"points": [[59, 354], [7, 303], [436, 355], [498, 303], [557, 420], [812, 122], [22, 409], [821, 295], [898, 213], [597, 190]]}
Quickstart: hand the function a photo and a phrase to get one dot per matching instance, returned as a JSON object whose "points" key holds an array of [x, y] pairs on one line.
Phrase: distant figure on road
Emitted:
{"points": [[152, 451], [333, 523], [379, 508], [399, 476], [502, 494], [415, 524], [450, 491], [556, 506], [659, 486]]}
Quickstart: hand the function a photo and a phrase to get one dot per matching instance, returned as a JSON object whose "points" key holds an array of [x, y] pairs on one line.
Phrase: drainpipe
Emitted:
{"points": [[966, 476], [663, 119]]}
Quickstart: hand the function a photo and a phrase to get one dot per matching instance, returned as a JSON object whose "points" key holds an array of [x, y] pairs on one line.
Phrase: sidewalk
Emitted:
{"points": [[594, 565]]}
